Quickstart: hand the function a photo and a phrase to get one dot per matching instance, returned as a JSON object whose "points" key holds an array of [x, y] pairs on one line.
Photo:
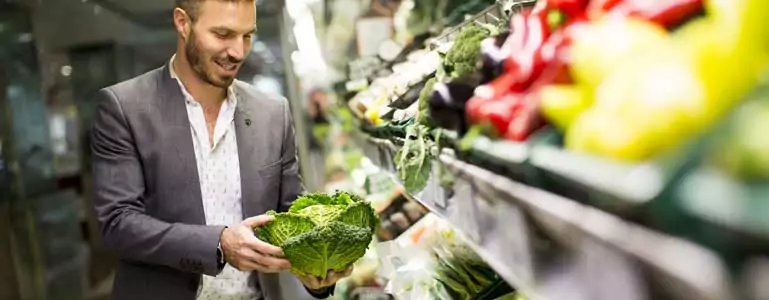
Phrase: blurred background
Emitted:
{"points": [[513, 148], [54, 55]]}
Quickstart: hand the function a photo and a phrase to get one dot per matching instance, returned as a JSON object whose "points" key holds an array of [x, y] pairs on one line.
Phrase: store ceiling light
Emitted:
{"points": [[66, 70]]}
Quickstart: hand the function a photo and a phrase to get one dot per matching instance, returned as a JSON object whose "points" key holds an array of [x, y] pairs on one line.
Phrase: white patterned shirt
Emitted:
{"points": [[219, 173]]}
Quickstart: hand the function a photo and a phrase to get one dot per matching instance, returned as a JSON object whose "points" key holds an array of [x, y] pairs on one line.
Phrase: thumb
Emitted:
{"points": [[258, 221]]}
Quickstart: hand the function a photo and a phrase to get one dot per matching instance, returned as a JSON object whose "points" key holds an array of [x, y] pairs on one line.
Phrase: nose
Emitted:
{"points": [[237, 49]]}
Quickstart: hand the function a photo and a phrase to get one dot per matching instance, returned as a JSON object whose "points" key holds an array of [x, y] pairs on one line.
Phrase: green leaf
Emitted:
{"points": [[414, 160], [333, 247], [310, 200], [360, 214], [322, 214], [423, 118], [283, 227], [322, 232]]}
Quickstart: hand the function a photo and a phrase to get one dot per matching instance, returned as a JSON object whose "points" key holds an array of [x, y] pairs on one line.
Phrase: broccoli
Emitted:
{"points": [[322, 232], [462, 59]]}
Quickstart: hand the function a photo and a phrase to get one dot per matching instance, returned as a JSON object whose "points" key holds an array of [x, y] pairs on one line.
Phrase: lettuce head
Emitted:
{"points": [[322, 232]]}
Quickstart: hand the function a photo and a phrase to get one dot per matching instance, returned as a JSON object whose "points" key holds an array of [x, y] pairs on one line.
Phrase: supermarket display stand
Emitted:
{"points": [[551, 247], [560, 225]]}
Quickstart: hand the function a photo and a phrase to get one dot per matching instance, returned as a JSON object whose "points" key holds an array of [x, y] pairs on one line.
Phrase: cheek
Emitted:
{"points": [[212, 48]]}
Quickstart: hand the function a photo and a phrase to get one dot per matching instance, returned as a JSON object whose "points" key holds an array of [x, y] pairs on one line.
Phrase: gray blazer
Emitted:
{"points": [[146, 188]]}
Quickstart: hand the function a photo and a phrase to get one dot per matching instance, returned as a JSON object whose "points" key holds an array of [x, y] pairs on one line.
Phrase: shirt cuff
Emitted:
{"points": [[322, 293]]}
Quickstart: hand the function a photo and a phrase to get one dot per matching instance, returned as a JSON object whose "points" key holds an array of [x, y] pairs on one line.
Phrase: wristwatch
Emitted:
{"points": [[220, 258]]}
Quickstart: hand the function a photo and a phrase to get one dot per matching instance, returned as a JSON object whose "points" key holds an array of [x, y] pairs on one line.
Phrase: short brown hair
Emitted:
{"points": [[192, 6]]}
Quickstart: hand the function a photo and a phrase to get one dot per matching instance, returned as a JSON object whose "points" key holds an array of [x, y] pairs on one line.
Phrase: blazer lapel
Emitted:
{"points": [[250, 136], [174, 112]]}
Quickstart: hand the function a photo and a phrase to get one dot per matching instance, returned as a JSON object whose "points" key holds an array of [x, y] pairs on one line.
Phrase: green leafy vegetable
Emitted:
{"points": [[459, 269], [321, 232], [414, 160], [445, 177], [423, 117], [465, 54]]}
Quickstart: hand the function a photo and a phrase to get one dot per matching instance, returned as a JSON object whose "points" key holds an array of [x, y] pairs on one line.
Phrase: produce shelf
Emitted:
{"points": [[493, 14], [551, 247]]}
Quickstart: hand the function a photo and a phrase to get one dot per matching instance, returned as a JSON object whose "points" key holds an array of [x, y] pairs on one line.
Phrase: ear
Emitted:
{"points": [[182, 22]]}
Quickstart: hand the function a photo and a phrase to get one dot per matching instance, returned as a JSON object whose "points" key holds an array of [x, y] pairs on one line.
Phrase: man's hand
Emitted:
{"points": [[244, 251], [315, 283]]}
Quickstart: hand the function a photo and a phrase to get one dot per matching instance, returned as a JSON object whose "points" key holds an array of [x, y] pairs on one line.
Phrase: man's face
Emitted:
{"points": [[220, 40]]}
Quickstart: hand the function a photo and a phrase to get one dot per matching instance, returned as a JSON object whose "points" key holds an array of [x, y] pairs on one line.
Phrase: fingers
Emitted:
{"points": [[257, 221], [330, 279], [268, 269], [245, 265], [312, 282], [266, 262], [263, 247], [248, 265], [273, 263], [246, 259]]}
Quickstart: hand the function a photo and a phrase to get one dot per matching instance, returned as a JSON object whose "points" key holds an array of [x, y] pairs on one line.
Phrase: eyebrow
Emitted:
{"points": [[222, 28]]}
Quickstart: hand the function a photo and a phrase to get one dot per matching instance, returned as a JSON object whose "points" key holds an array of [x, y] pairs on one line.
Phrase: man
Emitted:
{"points": [[184, 156]]}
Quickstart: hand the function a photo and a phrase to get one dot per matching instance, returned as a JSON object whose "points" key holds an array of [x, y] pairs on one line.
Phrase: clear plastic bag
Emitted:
{"points": [[437, 264]]}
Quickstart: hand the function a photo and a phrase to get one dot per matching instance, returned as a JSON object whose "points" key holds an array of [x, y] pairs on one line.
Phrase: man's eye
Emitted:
{"points": [[221, 35]]}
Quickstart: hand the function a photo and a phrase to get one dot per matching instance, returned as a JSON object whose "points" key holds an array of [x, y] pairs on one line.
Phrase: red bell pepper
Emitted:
{"points": [[529, 31], [597, 8], [667, 13], [570, 8], [527, 120], [497, 112], [556, 54]]}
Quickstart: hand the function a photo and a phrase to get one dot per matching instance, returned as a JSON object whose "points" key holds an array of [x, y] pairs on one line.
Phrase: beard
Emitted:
{"points": [[198, 60]]}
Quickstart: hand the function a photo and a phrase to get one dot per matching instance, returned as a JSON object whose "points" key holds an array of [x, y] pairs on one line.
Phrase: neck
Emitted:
{"points": [[203, 92]]}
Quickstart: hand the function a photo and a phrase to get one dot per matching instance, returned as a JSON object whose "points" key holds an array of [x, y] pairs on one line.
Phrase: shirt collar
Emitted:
{"points": [[232, 98]]}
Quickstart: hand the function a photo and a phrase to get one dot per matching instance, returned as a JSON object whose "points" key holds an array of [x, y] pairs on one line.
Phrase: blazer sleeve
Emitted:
{"points": [[291, 181], [119, 190]]}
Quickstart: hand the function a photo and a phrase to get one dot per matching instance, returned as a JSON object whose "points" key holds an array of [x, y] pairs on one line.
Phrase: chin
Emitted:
{"points": [[221, 81], [226, 81]]}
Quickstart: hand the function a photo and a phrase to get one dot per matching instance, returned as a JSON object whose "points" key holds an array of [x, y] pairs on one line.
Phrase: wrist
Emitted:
{"points": [[220, 260]]}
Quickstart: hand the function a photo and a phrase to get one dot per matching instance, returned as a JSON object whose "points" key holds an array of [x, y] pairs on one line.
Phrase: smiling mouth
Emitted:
{"points": [[227, 66]]}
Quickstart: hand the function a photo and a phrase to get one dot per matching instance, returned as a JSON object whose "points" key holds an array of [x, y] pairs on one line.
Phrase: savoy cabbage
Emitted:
{"points": [[322, 232]]}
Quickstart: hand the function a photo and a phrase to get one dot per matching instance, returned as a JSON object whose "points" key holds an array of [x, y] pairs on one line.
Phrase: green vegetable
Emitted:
{"points": [[459, 269], [322, 233], [445, 177], [423, 117], [464, 55], [413, 160]]}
